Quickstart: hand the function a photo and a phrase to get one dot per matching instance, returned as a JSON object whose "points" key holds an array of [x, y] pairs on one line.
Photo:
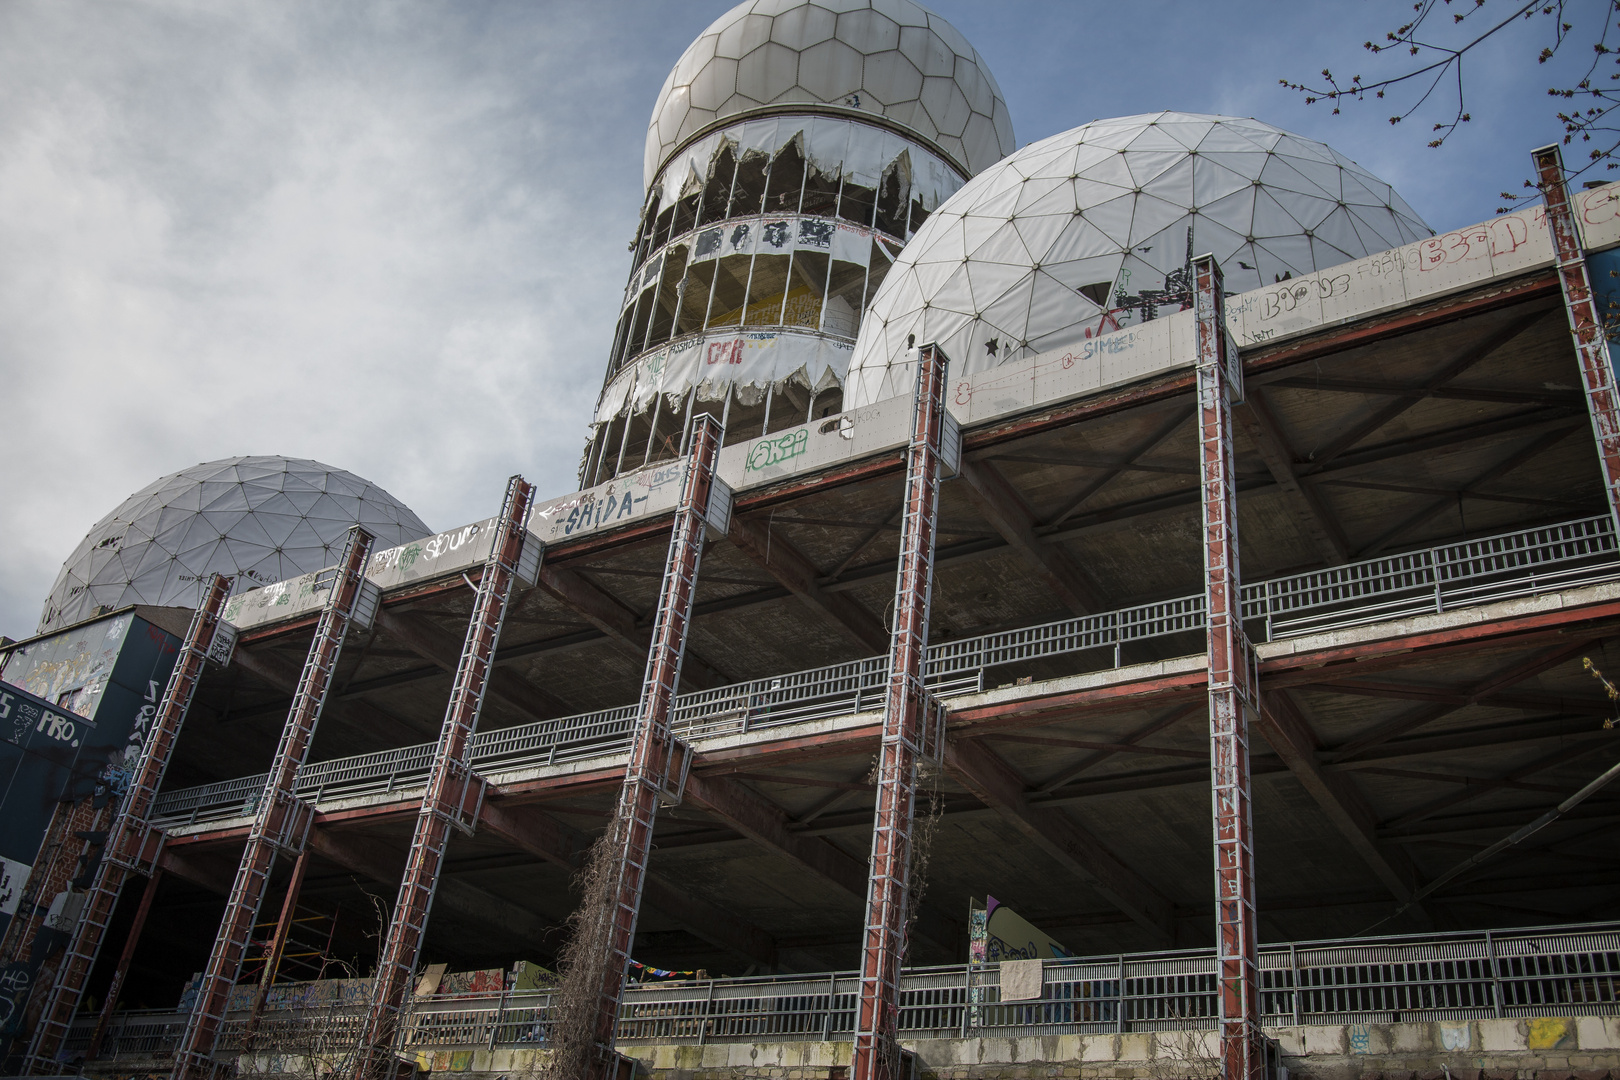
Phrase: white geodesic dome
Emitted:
{"points": [[892, 58], [260, 519], [1091, 231]]}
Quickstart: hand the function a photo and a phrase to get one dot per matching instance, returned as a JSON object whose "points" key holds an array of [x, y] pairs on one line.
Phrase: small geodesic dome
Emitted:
{"points": [[1093, 230], [889, 58], [260, 519]]}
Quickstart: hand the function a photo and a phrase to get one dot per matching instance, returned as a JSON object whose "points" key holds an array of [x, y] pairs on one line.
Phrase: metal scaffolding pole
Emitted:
{"points": [[281, 821], [454, 792], [1586, 322], [1232, 684], [132, 843], [658, 761], [909, 734], [278, 944]]}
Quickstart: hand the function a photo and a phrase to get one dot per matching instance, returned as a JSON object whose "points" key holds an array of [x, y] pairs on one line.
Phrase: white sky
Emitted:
{"points": [[391, 237]]}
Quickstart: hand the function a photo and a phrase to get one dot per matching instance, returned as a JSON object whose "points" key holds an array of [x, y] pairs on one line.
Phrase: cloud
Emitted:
{"points": [[391, 237]]}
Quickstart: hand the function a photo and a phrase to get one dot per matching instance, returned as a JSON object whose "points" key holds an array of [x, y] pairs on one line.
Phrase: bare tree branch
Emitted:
{"points": [[1590, 121]]}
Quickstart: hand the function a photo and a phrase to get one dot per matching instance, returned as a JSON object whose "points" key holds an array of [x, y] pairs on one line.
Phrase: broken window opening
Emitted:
{"points": [[857, 204], [648, 225], [730, 290], [893, 191], [919, 214], [749, 192], [668, 296], [807, 289], [765, 290], [695, 298], [820, 192], [783, 193], [878, 262], [717, 192], [621, 338], [841, 313], [660, 233]]}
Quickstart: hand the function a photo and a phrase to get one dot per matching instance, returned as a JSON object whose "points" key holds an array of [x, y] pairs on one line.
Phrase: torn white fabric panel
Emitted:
{"points": [[749, 360], [833, 146]]}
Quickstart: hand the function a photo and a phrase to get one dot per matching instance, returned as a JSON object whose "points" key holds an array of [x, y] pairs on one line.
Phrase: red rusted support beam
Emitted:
{"points": [[280, 822], [132, 844], [278, 944], [121, 972], [454, 792], [658, 762], [908, 723], [1585, 322], [1232, 684]]}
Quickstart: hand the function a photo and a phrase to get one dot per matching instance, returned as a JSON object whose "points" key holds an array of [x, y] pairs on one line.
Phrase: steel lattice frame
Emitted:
{"points": [[277, 945], [654, 753], [905, 714], [454, 792], [1586, 323], [1232, 689], [281, 821], [131, 842]]}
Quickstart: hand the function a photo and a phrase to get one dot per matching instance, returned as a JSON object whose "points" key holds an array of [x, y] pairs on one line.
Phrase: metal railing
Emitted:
{"points": [[1437, 579], [1554, 971]]}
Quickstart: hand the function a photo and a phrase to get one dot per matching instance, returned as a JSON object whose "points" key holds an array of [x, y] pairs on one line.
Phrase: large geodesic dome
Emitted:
{"points": [[891, 58], [260, 519], [1093, 230]]}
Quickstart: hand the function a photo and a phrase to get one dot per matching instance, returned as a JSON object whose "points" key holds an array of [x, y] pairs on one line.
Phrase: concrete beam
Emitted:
{"points": [[618, 622], [766, 824], [998, 787], [544, 836], [777, 556], [1310, 511], [187, 869], [1010, 516], [385, 865], [1479, 692], [443, 648], [1489, 344], [1292, 739], [283, 674], [1447, 502]]}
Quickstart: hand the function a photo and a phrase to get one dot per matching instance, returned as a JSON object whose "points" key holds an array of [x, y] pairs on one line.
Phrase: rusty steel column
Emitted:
{"points": [[281, 821], [278, 944], [907, 717], [132, 842], [658, 761], [1585, 322], [1231, 684], [454, 792], [93, 1049]]}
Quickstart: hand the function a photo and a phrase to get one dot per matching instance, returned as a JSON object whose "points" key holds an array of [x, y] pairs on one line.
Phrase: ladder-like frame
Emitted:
{"points": [[454, 792], [658, 762], [132, 843], [1233, 685], [908, 719], [281, 821], [1586, 323]]}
